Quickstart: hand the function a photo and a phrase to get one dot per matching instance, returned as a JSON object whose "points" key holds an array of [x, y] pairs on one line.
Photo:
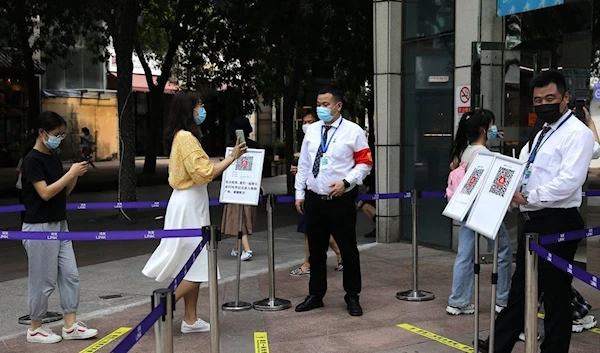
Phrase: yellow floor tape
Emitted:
{"points": [[440, 339], [106, 340], [261, 342]]}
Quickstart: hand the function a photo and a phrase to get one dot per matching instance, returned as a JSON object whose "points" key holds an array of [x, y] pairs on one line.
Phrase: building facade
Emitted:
{"points": [[428, 71]]}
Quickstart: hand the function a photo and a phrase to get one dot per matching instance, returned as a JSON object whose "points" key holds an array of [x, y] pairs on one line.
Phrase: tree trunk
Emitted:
{"points": [[153, 130], [123, 43]]}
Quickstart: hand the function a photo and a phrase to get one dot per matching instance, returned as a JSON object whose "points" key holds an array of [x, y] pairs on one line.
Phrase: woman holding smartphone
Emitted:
{"points": [[190, 171], [51, 263]]}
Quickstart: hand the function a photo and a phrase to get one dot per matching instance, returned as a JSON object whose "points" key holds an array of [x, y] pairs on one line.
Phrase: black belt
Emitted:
{"points": [[543, 213], [323, 197]]}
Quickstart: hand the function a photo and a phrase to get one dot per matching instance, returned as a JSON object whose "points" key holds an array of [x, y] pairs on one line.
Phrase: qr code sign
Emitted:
{"points": [[473, 179], [244, 163], [501, 181]]}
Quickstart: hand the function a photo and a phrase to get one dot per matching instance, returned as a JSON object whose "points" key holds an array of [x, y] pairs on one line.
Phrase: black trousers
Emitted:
{"points": [[554, 283], [338, 218]]}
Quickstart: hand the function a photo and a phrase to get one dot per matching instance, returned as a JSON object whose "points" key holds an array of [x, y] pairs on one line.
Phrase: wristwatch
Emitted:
{"points": [[346, 183]]}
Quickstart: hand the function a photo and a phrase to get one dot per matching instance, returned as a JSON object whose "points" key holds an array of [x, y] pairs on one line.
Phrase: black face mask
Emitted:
{"points": [[549, 113]]}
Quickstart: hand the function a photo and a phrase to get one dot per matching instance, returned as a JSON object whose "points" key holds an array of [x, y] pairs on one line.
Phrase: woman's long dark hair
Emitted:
{"points": [[469, 130], [47, 121], [181, 117]]}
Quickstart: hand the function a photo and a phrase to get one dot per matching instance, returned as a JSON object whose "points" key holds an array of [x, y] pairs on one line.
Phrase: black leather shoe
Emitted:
{"points": [[353, 306], [311, 302]]}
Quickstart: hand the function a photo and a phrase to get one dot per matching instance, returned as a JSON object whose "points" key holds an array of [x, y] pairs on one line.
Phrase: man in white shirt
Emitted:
{"points": [[334, 158], [550, 195]]}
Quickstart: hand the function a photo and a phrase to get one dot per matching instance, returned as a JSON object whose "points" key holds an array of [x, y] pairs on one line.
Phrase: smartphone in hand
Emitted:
{"points": [[579, 104], [240, 135]]}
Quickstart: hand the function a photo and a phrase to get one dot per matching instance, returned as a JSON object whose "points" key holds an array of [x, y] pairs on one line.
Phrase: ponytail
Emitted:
{"points": [[460, 141]]}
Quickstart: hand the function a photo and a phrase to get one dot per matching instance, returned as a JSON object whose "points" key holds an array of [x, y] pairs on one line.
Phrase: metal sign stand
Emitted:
{"points": [[415, 295], [271, 303], [237, 305], [493, 300], [213, 287], [476, 269]]}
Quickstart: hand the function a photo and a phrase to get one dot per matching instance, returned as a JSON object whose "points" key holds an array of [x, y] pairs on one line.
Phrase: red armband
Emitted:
{"points": [[363, 157]]}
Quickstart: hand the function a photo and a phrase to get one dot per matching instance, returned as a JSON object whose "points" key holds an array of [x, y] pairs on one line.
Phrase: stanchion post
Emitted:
{"points": [[214, 234], [271, 303], [163, 328], [415, 295], [531, 294], [476, 268], [238, 305], [493, 300]]}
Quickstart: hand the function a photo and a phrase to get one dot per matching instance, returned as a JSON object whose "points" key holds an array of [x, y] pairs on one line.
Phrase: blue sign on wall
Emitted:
{"points": [[510, 7]]}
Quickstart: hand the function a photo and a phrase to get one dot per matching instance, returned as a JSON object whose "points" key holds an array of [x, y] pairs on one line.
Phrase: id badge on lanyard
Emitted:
{"points": [[527, 173], [324, 163]]}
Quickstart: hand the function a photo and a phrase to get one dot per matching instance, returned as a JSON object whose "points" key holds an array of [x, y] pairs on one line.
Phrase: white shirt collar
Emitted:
{"points": [[337, 123]]}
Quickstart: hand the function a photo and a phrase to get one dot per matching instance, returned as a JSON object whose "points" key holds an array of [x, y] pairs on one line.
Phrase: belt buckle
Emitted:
{"points": [[526, 216], [326, 197]]}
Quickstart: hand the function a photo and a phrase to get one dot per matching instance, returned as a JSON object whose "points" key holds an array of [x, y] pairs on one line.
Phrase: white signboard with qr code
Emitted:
{"points": [[242, 180], [469, 187], [497, 192]]}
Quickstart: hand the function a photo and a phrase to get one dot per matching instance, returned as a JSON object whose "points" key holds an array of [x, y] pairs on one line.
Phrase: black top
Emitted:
{"points": [[39, 166]]}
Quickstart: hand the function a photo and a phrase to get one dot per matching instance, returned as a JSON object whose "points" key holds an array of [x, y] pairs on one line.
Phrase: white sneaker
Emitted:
{"points": [[42, 335], [246, 255], [198, 326], [233, 253], [455, 310], [585, 323], [522, 337], [79, 331], [499, 308]]}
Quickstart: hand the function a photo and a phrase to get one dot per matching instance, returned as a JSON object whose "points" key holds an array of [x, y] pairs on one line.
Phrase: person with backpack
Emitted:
{"points": [[474, 131]]}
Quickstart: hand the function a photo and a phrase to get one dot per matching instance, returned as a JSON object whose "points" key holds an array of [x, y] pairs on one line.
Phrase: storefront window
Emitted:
{"points": [[13, 109], [428, 17]]}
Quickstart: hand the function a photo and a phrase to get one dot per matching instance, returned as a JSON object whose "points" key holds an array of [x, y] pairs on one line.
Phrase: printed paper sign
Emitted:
{"points": [[241, 181], [496, 195]]}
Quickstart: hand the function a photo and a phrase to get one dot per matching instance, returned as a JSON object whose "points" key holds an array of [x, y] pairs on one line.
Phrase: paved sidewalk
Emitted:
{"points": [[386, 269]]}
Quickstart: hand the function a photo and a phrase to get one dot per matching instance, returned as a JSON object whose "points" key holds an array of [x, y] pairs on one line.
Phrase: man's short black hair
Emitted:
{"points": [[85, 130], [545, 78], [335, 91], [308, 111]]}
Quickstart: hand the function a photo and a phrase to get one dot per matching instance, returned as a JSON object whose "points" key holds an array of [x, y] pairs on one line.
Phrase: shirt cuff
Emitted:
{"points": [[533, 197], [351, 179], [300, 194]]}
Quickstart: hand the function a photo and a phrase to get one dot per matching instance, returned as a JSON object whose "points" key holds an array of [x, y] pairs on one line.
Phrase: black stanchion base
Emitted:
{"points": [[50, 317], [272, 305], [415, 296], [231, 306]]}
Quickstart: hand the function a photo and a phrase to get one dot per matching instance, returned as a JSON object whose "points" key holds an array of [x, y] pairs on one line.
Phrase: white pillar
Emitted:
{"points": [[387, 22]]}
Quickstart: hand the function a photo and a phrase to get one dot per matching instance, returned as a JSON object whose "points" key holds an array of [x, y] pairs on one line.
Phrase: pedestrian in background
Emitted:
{"points": [[190, 171], [230, 222], [87, 146], [51, 263], [334, 158]]}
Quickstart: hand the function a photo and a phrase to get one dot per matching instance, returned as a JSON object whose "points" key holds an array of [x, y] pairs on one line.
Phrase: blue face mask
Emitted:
{"points": [[492, 132], [201, 116], [53, 141], [325, 114]]}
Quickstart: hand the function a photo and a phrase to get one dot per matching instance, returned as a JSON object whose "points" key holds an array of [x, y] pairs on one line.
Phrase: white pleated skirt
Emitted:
{"points": [[187, 209]]}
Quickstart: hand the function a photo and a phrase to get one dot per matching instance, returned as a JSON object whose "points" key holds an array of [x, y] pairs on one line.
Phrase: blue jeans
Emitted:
{"points": [[462, 277]]}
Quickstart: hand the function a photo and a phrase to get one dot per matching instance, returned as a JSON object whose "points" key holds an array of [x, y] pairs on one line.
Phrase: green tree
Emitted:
{"points": [[167, 24], [51, 28]]}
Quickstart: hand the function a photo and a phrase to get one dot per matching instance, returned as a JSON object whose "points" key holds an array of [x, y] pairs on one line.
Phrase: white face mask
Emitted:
{"points": [[305, 128]]}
